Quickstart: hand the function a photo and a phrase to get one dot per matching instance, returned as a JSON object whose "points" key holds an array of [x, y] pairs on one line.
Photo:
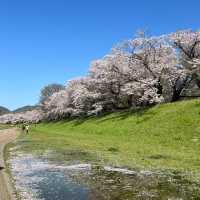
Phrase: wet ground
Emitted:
{"points": [[40, 179]]}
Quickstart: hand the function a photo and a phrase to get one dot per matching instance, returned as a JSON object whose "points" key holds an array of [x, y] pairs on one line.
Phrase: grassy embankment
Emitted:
{"points": [[4, 126], [163, 137]]}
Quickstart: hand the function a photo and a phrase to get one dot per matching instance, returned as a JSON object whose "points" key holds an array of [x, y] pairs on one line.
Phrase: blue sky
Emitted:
{"points": [[46, 41]]}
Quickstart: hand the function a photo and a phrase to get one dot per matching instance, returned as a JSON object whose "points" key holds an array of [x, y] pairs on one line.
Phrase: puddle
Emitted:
{"points": [[39, 179]]}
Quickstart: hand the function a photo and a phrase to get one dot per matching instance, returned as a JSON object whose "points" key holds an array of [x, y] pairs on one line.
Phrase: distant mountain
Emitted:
{"points": [[3, 110], [25, 108]]}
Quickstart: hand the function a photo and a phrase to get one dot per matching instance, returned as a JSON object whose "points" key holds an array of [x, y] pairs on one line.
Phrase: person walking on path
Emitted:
{"points": [[23, 127], [27, 128]]}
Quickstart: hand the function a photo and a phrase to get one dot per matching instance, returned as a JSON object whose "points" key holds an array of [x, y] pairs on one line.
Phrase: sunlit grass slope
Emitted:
{"points": [[165, 136], [4, 126]]}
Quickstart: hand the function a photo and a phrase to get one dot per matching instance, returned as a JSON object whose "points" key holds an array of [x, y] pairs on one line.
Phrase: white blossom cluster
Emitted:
{"points": [[138, 72], [33, 116]]}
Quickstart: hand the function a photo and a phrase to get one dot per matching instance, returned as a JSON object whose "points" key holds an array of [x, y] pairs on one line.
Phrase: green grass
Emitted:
{"points": [[163, 137], [4, 126]]}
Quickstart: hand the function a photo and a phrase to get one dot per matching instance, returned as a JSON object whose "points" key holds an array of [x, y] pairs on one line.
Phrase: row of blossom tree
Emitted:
{"points": [[138, 72]]}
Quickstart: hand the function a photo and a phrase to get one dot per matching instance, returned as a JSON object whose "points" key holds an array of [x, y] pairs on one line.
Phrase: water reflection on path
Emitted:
{"points": [[37, 179]]}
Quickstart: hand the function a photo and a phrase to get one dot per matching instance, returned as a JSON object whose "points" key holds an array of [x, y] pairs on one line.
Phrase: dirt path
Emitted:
{"points": [[6, 136]]}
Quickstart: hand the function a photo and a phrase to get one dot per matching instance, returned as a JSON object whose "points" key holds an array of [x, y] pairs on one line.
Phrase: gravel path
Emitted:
{"points": [[6, 136]]}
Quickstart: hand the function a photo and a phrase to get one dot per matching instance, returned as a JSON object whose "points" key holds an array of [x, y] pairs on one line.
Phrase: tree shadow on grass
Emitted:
{"points": [[143, 114]]}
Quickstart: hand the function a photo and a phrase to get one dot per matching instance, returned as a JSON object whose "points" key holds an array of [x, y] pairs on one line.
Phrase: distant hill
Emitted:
{"points": [[3, 110], [25, 108]]}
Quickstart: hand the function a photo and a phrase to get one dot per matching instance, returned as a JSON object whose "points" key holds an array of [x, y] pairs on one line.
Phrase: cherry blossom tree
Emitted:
{"points": [[57, 106], [33, 116], [187, 45], [49, 90], [138, 72]]}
